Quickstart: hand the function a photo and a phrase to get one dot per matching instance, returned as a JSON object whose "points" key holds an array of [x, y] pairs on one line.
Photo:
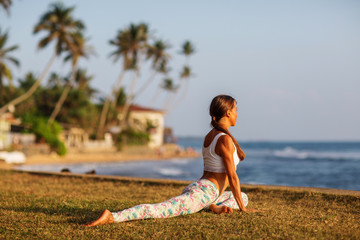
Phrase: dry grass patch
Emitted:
{"points": [[47, 207]]}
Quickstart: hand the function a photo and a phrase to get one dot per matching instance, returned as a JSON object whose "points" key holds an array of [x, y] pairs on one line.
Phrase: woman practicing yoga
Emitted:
{"points": [[221, 154]]}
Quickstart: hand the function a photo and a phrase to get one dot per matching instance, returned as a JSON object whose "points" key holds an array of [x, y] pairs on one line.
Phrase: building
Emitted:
{"points": [[5, 128], [150, 121], [12, 136]]}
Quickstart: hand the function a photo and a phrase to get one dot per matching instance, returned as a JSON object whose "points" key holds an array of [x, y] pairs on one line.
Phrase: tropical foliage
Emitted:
{"points": [[6, 59], [68, 98]]}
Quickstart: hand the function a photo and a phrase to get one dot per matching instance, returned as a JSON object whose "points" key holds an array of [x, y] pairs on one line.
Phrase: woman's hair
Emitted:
{"points": [[218, 108]]}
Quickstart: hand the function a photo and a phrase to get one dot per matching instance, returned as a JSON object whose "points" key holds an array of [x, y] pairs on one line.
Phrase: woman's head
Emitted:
{"points": [[224, 105], [220, 105]]}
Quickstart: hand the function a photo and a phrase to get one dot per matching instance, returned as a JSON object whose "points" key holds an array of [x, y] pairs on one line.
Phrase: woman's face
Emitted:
{"points": [[233, 115]]}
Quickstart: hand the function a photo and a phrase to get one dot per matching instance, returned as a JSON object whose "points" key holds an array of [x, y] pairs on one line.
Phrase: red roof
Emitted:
{"points": [[138, 108]]}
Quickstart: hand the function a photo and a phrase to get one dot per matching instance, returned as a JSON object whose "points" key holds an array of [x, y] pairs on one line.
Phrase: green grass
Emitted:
{"points": [[55, 207]]}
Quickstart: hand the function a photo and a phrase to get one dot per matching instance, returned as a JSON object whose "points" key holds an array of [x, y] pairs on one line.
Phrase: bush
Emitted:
{"points": [[50, 133], [131, 137]]}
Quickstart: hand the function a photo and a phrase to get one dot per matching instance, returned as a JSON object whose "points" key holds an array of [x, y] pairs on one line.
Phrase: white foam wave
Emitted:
{"points": [[289, 152], [180, 161], [170, 171]]}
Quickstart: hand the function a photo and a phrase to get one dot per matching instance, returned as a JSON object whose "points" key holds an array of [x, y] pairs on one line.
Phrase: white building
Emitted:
{"points": [[5, 126], [148, 120]]}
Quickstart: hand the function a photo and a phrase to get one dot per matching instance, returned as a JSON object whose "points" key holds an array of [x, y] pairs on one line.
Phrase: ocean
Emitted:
{"points": [[309, 164]]}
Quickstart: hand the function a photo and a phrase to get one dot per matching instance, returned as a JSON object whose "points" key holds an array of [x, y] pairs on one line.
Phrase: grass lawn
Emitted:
{"points": [[48, 207]]}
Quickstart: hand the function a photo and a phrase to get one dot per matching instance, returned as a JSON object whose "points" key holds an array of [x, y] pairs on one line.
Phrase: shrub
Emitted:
{"points": [[131, 137], [50, 133]]}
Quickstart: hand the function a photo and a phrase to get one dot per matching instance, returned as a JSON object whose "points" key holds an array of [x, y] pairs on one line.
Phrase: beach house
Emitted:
{"points": [[5, 128], [148, 120]]}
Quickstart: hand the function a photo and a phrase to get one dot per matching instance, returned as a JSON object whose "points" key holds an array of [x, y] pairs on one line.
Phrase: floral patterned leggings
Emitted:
{"points": [[195, 197]]}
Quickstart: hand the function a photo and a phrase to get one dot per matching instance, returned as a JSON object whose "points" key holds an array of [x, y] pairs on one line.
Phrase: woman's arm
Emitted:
{"points": [[225, 148]]}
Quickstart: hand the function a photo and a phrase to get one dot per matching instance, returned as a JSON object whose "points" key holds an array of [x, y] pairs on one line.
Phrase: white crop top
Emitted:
{"points": [[212, 161]]}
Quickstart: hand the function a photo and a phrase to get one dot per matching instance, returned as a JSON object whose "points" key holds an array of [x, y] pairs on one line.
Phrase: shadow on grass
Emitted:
{"points": [[73, 214]]}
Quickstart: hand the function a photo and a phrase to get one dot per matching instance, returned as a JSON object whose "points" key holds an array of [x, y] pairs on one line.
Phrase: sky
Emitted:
{"points": [[293, 66]]}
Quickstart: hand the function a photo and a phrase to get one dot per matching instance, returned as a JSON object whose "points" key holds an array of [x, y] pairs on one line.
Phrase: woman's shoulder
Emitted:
{"points": [[224, 145], [220, 136], [210, 137], [225, 139]]}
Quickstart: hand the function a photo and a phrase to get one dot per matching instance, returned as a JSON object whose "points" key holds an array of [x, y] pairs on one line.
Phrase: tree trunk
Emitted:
{"points": [[130, 97], [117, 88], [147, 83], [105, 109], [128, 101], [63, 95], [182, 97], [26, 95], [169, 102], [157, 93]]}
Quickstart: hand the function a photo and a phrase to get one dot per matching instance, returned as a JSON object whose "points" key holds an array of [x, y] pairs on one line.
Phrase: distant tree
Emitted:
{"points": [[187, 50], [139, 42], [77, 109], [164, 70], [169, 86], [60, 26], [5, 59], [160, 59], [129, 43], [78, 50], [82, 82]]}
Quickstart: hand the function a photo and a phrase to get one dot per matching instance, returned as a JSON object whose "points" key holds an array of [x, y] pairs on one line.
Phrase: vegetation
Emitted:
{"points": [[61, 28], [48, 207], [5, 59], [68, 98], [48, 133]]}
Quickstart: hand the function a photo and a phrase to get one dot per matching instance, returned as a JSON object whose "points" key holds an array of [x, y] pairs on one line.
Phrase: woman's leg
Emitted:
{"points": [[195, 197], [227, 199]]}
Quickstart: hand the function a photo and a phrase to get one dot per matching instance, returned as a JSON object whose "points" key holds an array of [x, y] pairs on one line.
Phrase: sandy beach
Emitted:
{"points": [[131, 154], [127, 156], [103, 157]]}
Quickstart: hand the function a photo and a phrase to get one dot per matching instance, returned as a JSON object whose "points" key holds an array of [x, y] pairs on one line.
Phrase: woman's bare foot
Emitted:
{"points": [[106, 217], [220, 209]]}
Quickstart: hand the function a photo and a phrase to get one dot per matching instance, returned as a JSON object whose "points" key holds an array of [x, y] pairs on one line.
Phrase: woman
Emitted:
{"points": [[221, 153]]}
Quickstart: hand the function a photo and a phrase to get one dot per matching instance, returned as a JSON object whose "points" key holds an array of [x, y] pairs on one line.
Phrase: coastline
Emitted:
{"points": [[246, 187], [131, 154], [137, 154]]}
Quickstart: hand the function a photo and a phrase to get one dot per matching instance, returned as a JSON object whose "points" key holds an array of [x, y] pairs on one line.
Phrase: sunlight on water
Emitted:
{"points": [[329, 165]]}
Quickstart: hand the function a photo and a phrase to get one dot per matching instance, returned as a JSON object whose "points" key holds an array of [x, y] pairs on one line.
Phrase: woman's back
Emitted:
{"points": [[219, 179]]}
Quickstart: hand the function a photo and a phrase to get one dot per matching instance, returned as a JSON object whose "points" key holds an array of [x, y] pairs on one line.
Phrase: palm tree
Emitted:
{"points": [[79, 50], [129, 43], [163, 69], [82, 80], [139, 36], [60, 26], [6, 5], [187, 50], [169, 86], [55, 81], [5, 72], [159, 57], [123, 48]]}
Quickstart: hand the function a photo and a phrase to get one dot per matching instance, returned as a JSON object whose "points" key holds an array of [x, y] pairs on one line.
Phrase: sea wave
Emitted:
{"points": [[290, 152], [170, 171], [293, 153]]}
